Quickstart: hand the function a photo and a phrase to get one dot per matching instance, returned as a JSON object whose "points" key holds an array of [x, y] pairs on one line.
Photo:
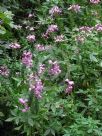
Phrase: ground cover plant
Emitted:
{"points": [[51, 68]]}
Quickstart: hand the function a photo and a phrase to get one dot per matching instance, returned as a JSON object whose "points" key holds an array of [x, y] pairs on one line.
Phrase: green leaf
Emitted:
{"points": [[30, 122], [18, 128], [10, 119], [52, 132], [2, 30], [93, 58], [47, 132]]}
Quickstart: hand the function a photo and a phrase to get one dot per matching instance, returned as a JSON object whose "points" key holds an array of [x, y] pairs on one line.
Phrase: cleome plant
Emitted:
{"points": [[51, 67]]}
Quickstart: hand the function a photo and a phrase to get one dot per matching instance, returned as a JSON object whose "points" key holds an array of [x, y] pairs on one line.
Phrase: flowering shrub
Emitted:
{"points": [[51, 69]]}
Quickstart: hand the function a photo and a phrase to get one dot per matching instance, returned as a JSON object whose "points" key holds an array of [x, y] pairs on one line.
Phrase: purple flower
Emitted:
{"points": [[52, 28], [86, 29], [95, 1], [24, 103], [4, 71], [74, 7], [14, 46], [55, 68], [27, 59], [40, 47], [25, 109], [98, 27], [55, 11], [69, 87], [36, 86], [31, 38], [41, 68]]}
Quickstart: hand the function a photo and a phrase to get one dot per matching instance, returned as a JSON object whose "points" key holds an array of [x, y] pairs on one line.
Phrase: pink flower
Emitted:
{"points": [[25, 109], [69, 87], [55, 68], [4, 71], [98, 27], [40, 47], [31, 38], [86, 29], [55, 11], [95, 1], [52, 28], [41, 68], [59, 38], [14, 46], [24, 103], [74, 7], [36, 86], [27, 59], [69, 82]]}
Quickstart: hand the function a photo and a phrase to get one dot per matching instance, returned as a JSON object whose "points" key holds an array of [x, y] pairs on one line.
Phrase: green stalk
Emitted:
{"points": [[36, 105]]}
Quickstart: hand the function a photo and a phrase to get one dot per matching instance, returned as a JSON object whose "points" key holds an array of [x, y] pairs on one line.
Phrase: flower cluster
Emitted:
{"points": [[14, 46], [98, 27], [86, 29], [59, 38], [75, 8], [24, 103], [41, 68], [27, 59], [55, 68], [55, 11], [36, 85], [31, 38], [4, 71], [51, 29], [69, 86], [41, 47], [95, 1]]}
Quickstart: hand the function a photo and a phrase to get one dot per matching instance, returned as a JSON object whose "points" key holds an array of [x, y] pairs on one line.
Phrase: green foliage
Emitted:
{"points": [[57, 113], [6, 24]]}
